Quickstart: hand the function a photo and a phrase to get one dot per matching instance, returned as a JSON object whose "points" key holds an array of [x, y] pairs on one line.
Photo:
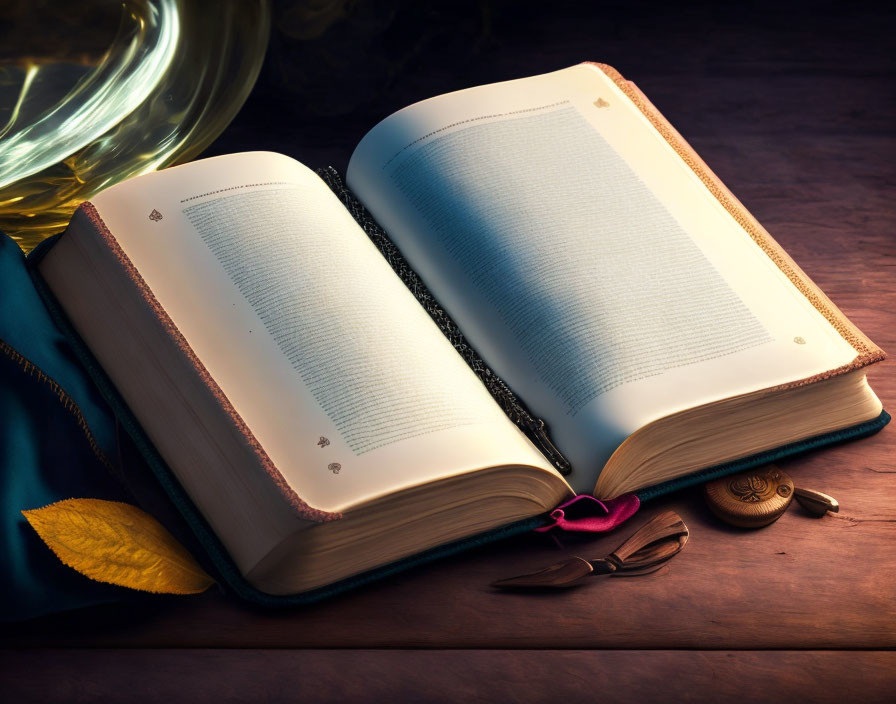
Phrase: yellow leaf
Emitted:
{"points": [[118, 543]]}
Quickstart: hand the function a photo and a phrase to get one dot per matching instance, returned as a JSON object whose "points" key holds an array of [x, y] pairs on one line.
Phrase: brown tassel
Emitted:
{"points": [[658, 541]]}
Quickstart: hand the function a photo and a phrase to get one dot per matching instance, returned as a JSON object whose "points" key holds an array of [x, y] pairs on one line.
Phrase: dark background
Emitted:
{"points": [[723, 73], [794, 106]]}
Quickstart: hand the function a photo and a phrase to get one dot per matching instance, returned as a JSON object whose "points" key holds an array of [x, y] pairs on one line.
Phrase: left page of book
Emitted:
{"points": [[344, 380]]}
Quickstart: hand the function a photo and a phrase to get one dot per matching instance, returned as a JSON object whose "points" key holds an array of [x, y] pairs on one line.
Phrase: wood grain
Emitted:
{"points": [[801, 582], [570, 676]]}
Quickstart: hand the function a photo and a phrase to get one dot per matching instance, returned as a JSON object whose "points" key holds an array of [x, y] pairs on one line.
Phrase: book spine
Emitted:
{"points": [[534, 428]]}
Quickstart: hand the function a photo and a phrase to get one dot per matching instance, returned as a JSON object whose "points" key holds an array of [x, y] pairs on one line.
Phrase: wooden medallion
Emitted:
{"points": [[750, 499]]}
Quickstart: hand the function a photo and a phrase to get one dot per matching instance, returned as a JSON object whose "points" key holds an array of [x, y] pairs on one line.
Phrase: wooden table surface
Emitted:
{"points": [[798, 120]]}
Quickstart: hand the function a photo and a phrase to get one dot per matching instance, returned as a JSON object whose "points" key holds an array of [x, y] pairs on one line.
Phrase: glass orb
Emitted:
{"points": [[84, 105]]}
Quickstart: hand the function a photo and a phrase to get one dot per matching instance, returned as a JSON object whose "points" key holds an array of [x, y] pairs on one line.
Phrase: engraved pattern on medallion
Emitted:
{"points": [[334, 467], [155, 215], [748, 489]]}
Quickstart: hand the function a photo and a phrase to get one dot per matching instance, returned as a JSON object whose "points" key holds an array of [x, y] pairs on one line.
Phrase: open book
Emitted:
{"points": [[620, 320]]}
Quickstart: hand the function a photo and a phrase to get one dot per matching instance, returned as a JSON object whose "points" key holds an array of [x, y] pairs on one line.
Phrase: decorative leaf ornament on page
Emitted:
{"points": [[117, 543]]}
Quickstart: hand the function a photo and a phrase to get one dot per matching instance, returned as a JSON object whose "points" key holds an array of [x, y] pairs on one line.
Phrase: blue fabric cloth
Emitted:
{"points": [[57, 441]]}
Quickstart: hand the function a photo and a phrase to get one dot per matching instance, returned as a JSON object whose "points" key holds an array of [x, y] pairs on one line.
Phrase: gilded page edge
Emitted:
{"points": [[302, 509], [867, 351]]}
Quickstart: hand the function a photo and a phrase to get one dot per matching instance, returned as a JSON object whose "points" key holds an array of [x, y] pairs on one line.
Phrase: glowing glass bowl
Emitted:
{"points": [[82, 108]]}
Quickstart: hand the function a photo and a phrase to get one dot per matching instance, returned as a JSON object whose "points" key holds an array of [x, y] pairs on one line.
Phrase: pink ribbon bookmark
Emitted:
{"points": [[584, 513]]}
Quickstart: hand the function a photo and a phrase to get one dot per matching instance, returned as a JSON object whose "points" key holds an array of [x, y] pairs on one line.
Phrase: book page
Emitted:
{"points": [[583, 259], [343, 378]]}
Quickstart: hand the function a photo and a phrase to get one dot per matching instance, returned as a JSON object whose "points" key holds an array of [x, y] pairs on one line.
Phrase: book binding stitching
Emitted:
{"points": [[533, 427]]}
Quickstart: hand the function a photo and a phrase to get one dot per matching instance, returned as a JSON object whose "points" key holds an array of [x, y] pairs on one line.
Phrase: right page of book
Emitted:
{"points": [[584, 259]]}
